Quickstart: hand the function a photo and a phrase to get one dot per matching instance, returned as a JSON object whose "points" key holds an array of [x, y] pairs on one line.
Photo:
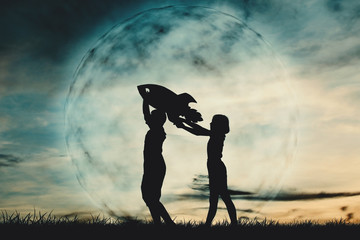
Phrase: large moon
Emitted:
{"points": [[224, 64]]}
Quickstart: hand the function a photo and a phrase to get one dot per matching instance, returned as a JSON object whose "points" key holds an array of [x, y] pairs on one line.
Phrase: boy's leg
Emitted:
{"points": [[164, 214], [155, 214]]}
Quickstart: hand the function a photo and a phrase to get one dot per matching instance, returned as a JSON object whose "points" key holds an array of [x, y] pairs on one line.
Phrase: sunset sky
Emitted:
{"points": [[314, 44]]}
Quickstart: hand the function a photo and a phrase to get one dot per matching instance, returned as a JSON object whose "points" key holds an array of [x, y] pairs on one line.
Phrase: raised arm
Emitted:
{"points": [[146, 111], [193, 128]]}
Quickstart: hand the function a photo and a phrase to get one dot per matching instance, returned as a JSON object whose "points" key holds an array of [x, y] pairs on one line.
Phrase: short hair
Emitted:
{"points": [[220, 123], [158, 116]]}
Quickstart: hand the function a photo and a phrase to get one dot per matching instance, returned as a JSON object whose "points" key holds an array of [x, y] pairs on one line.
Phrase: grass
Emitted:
{"points": [[50, 225]]}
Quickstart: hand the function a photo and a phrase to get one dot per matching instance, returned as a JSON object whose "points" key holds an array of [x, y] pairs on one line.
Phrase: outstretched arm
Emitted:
{"points": [[193, 128]]}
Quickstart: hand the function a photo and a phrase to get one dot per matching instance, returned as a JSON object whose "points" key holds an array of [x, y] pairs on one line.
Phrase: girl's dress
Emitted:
{"points": [[216, 167]]}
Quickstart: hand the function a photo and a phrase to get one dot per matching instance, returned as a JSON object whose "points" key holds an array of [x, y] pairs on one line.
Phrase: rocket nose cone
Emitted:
{"points": [[143, 90], [147, 87], [146, 90], [141, 87]]}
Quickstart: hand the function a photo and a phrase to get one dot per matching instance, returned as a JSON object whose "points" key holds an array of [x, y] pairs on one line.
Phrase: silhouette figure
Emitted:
{"points": [[216, 168], [154, 164], [173, 104]]}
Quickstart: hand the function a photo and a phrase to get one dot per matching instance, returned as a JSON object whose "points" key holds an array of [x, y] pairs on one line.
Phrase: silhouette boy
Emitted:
{"points": [[154, 164]]}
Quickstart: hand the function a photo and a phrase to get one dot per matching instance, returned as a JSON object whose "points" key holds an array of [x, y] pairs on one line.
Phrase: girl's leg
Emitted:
{"points": [[230, 207], [214, 198]]}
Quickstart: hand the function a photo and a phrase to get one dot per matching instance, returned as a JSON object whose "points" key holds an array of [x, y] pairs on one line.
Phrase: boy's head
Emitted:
{"points": [[158, 118], [220, 124]]}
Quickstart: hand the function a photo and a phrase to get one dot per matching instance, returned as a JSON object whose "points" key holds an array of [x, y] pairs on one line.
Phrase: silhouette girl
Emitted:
{"points": [[154, 164], [216, 168]]}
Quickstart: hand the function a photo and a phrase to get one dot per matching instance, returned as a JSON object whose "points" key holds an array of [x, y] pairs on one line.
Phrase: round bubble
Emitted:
{"points": [[224, 64]]}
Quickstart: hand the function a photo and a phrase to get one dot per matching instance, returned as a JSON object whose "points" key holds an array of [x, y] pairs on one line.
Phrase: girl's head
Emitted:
{"points": [[220, 124], [157, 118]]}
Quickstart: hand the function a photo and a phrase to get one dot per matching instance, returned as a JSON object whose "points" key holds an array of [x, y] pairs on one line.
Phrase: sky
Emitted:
{"points": [[317, 42]]}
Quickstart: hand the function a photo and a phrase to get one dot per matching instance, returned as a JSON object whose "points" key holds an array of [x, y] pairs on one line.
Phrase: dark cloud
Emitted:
{"points": [[334, 5], [347, 12], [40, 38], [200, 183], [302, 196], [349, 216], [9, 160], [50, 27], [244, 210], [345, 58], [282, 196], [48, 30], [344, 208], [200, 186]]}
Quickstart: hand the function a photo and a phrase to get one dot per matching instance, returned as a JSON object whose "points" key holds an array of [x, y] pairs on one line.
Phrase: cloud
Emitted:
{"points": [[200, 189], [49, 28], [344, 58], [9, 160], [44, 180], [319, 41], [53, 34], [282, 196], [244, 210], [317, 36], [346, 12], [304, 196]]}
